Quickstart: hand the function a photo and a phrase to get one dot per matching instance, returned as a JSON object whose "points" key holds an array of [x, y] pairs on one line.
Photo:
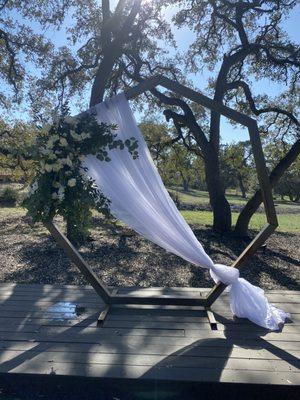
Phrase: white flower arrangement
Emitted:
{"points": [[48, 167], [71, 182], [61, 185], [63, 142]]}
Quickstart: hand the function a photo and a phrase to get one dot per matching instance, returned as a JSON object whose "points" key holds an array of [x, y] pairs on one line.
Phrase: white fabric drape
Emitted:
{"points": [[138, 197]]}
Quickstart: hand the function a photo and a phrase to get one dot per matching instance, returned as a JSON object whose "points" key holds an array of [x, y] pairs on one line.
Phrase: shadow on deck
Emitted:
{"points": [[50, 346]]}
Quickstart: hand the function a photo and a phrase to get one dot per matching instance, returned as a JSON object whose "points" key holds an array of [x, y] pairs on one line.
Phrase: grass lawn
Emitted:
{"points": [[288, 213], [198, 197], [287, 222]]}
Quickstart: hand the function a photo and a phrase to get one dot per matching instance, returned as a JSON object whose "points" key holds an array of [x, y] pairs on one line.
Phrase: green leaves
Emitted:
{"points": [[61, 185]]}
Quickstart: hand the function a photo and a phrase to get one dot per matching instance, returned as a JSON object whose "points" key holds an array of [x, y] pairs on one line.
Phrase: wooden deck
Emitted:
{"points": [[51, 330]]}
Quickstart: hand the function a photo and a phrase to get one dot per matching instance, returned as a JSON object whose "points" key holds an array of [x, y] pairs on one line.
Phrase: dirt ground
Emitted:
{"points": [[122, 258]]}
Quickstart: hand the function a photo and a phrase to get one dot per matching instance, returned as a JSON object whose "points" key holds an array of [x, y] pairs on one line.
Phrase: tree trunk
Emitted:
{"points": [[242, 224], [185, 185], [102, 76], [242, 187], [218, 201]]}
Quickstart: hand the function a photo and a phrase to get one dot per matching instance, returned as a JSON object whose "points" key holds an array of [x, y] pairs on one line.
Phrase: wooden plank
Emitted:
{"points": [[221, 304], [292, 308], [92, 334], [159, 300], [62, 288], [54, 321], [212, 320], [41, 314], [223, 308], [152, 341], [69, 292], [102, 316], [191, 94], [167, 342], [14, 357], [157, 372], [21, 324], [228, 320], [206, 325], [123, 347], [93, 298]]}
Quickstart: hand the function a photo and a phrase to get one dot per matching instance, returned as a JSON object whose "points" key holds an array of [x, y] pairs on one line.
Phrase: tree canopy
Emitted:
{"points": [[106, 46]]}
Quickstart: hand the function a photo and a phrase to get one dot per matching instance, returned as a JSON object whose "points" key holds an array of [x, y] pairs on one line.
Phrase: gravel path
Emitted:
{"points": [[122, 258]]}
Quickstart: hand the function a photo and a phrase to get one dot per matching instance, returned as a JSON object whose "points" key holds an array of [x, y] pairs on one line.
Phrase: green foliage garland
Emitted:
{"points": [[61, 185]]}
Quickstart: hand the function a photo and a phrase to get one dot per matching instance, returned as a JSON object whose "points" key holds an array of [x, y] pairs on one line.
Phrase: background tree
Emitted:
{"points": [[237, 167], [101, 39], [176, 164], [17, 146], [158, 138], [239, 42], [24, 52], [109, 48], [284, 133], [179, 166], [289, 184]]}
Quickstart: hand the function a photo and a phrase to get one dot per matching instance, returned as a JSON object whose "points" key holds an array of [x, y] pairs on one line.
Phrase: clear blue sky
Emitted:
{"points": [[183, 38]]}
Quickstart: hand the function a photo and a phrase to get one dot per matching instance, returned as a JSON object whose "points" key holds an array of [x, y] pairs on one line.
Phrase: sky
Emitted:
{"points": [[229, 133], [183, 37]]}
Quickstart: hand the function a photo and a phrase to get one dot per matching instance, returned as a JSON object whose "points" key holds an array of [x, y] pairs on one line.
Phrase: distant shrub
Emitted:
{"points": [[9, 196]]}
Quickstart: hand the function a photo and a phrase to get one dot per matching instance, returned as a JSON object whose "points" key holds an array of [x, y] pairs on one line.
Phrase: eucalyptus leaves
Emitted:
{"points": [[61, 185]]}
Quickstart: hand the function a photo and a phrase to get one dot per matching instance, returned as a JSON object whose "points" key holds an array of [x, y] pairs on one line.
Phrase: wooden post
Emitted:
{"points": [[76, 258]]}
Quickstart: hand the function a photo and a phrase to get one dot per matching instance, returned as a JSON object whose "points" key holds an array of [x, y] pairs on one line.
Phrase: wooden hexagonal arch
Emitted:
{"points": [[110, 297]]}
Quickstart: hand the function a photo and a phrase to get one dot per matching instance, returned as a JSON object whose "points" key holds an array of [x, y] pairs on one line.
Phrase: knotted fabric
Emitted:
{"points": [[139, 198]]}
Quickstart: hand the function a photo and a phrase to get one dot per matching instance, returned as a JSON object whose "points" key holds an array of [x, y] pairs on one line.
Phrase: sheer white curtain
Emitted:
{"points": [[138, 197]]}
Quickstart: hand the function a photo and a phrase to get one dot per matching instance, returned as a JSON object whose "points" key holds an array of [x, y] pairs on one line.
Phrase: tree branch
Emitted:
{"points": [[253, 108], [252, 205]]}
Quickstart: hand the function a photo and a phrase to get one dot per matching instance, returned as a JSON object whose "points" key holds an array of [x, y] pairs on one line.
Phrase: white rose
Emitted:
{"points": [[48, 167], [72, 182], [63, 142]]}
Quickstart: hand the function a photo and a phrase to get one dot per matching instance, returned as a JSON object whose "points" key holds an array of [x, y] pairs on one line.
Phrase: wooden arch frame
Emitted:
{"points": [[110, 297]]}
